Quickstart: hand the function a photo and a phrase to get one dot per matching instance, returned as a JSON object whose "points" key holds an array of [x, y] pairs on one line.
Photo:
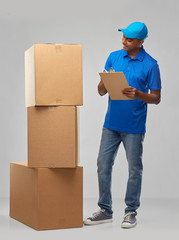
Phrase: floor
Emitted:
{"points": [[156, 219]]}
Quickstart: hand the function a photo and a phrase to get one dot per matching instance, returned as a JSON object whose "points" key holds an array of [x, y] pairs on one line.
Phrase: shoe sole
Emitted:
{"points": [[97, 222], [128, 225]]}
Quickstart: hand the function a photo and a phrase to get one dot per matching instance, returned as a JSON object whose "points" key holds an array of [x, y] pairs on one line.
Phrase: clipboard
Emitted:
{"points": [[114, 83]]}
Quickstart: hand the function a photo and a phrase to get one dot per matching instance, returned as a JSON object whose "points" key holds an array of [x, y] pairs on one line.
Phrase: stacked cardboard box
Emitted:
{"points": [[46, 192]]}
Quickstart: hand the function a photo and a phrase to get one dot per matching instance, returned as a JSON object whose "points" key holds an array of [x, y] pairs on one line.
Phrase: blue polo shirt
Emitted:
{"points": [[142, 73]]}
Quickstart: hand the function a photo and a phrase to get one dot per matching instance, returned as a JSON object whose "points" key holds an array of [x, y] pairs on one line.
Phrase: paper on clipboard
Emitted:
{"points": [[114, 83]]}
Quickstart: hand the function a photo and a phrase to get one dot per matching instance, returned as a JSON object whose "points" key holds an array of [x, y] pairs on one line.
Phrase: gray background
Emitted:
{"points": [[94, 25]]}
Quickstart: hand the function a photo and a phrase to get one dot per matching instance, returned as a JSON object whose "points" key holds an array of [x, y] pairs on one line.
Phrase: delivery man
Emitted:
{"points": [[125, 122]]}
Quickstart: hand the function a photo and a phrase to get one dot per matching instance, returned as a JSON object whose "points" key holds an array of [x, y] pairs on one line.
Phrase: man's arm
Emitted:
{"points": [[153, 97], [101, 88]]}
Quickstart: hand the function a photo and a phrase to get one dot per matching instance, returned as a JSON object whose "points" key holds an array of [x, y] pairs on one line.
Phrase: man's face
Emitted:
{"points": [[131, 44]]}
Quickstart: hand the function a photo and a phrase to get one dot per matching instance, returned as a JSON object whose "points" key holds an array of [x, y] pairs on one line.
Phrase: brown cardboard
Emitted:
{"points": [[53, 75], [45, 198], [114, 83], [53, 137]]}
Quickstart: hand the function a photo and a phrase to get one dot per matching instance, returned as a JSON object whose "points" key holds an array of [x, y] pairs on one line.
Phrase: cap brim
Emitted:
{"points": [[126, 32]]}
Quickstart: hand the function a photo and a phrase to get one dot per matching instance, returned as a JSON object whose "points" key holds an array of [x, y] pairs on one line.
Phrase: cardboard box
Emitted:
{"points": [[53, 75], [53, 136], [45, 198]]}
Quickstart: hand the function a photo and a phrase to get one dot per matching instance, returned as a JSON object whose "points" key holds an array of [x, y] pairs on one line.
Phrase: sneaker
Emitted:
{"points": [[97, 218], [129, 220]]}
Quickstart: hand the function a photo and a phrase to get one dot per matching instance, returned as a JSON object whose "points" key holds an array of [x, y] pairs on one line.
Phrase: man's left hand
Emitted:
{"points": [[130, 92]]}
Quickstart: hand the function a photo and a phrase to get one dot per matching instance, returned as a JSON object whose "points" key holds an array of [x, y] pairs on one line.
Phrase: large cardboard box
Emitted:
{"points": [[45, 198], [53, 136], [53, 75]]}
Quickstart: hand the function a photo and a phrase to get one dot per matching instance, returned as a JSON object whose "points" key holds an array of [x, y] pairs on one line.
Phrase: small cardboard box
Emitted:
{"points": [[45, 198], [53, 75], [53, 136]]}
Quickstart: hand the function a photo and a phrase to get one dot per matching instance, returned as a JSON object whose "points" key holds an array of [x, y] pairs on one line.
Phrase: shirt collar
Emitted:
{"points": [[139, 56]]}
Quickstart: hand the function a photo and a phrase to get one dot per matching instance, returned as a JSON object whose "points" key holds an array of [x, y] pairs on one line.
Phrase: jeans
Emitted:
{"points": [[133, 144]]}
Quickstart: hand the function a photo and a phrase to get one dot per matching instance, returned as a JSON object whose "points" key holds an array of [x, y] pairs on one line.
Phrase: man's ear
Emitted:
{"points": [[141, 42]]}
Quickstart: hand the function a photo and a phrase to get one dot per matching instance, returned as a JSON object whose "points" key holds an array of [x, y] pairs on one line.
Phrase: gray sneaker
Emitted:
{"points": [[129, 220], [97, 218]]}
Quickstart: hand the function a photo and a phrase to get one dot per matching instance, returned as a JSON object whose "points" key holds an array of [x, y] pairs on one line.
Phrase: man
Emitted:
{"points": [[125, 122]]}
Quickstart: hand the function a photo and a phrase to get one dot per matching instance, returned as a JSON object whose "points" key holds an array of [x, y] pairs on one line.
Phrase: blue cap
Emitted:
{"points": [[135, 30]]}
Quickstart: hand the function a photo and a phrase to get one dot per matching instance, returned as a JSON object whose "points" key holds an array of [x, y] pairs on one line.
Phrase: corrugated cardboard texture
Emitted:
{"points": [[58, 75], [23, 194], [45, 198], [53, 138]]}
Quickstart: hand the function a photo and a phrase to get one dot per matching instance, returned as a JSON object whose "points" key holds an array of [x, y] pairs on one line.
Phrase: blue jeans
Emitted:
{"points": [[133, 144]]}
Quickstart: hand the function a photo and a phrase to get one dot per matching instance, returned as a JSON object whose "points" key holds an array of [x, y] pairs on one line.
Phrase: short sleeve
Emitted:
{"points": [[154, 80], [108, 64]]}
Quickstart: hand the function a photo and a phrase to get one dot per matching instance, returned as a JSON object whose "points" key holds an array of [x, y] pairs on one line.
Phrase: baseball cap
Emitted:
{"points": [[135, 30]]}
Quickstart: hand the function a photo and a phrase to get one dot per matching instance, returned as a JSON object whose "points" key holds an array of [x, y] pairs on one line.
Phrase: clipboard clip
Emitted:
{"points": [[111, 70]]}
